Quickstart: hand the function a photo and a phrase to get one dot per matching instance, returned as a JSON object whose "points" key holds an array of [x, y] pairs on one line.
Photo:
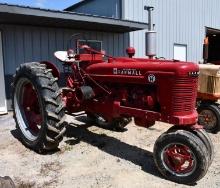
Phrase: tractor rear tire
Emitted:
{"points": [[38, 108], [181, 156], [209, 117]]}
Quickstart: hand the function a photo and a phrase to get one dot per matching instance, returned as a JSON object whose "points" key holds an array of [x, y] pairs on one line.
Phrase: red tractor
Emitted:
{"points": [[112, 91]]}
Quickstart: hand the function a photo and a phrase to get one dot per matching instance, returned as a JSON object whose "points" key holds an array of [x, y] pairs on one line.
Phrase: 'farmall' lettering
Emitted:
{"points": [[129, 72]]}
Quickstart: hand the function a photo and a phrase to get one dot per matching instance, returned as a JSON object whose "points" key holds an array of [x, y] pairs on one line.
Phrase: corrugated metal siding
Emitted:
{"points": [[176, 21], [27, 44], [102, 8]]}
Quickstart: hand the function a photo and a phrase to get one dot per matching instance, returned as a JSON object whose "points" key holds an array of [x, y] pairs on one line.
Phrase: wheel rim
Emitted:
{"points": [[28, 109], [208, 119], [179, 160]]}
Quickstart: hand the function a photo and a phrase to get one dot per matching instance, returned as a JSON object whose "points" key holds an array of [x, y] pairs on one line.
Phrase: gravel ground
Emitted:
{"points": [[92, 157]]}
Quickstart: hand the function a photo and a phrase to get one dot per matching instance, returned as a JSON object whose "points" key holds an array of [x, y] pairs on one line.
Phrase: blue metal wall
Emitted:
{"points": [[111, 8], [177, 21], [27, 44]]}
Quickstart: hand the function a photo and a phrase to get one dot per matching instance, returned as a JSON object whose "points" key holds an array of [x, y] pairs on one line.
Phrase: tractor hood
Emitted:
{"points": [[140, 67], [140, 71]]}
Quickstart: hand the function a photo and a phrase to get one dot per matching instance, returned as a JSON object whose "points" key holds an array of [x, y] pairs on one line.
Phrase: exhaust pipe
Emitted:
{"points": [[150, 35]]}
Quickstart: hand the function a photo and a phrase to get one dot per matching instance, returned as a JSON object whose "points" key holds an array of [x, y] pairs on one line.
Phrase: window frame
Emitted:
{"points": [[180, 45]]}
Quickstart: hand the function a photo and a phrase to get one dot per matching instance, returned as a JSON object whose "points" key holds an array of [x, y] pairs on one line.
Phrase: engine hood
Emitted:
{"points": [[141, 67]]}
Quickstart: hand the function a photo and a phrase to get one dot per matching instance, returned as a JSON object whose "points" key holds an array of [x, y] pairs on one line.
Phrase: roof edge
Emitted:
{"points": [[11, 11], [118, 24], [76, 5]]}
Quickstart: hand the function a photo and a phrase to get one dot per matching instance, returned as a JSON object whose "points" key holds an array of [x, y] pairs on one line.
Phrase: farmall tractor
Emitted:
{"points": [[113, 90]]}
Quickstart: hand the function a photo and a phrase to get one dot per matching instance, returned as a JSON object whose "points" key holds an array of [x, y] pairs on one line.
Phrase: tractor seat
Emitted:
{"points": [[64, 57]]}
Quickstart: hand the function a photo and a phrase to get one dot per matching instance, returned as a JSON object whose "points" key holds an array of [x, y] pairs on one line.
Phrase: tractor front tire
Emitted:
{"points": [[38, 108], [202, 135], [209, 117], [181, 156]]}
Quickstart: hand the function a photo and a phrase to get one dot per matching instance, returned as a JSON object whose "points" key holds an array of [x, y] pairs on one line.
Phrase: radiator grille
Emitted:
{"points": [[184, 94]]}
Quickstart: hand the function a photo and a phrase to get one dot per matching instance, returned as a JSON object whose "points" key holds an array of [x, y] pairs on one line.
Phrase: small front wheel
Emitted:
{"points": [[181, 156], [203, 135]]}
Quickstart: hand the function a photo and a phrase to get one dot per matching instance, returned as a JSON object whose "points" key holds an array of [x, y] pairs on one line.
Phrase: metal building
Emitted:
{"points": [[181, 25], [31, 34]]}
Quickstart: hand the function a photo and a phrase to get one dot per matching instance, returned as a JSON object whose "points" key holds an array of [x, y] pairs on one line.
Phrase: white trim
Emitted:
{"points": [[3, 105], [3, 110]]}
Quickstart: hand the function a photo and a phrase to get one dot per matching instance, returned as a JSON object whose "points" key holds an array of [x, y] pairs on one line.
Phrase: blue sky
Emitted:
{"points": [[49, 4]]}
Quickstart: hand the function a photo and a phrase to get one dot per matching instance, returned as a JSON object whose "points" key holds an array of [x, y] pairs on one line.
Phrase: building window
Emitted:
{"points": [[94, 44], [180, 52]]}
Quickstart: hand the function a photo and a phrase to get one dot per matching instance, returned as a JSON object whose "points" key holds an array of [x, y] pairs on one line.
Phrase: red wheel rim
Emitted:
{"points": [[31, 107], [179, 159], [208, 119]]}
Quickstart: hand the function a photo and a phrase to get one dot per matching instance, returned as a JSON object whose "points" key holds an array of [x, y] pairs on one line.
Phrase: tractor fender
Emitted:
{"points": [[55, 70]]}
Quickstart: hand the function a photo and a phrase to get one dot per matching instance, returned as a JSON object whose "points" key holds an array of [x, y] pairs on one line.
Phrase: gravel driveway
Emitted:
{"points": [[91, 156]]}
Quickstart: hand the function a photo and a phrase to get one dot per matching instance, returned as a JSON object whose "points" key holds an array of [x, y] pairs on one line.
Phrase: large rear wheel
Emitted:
{"points": [[38, 109]]}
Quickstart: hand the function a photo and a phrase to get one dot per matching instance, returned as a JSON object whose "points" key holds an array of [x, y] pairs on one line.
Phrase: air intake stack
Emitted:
{"points": [[150, 35]]}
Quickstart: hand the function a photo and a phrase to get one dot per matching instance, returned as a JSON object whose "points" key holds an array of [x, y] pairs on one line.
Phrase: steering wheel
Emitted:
{"points": [[74, 40]]}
